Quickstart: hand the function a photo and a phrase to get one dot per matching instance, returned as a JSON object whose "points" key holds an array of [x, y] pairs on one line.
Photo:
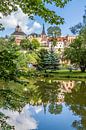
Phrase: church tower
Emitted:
{"points": [[43, 34], [44, 39], [84, 17], [43, 30]]}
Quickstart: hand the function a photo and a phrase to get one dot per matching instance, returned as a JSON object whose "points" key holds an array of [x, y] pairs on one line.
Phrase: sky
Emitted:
{"points": [[72, 13]]}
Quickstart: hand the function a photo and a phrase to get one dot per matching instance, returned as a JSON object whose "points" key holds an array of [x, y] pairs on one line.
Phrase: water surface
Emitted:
{"points": [[43, 104]]}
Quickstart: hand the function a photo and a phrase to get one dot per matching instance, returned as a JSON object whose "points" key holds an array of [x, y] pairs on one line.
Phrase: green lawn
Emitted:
{"points": [[67, 74]]}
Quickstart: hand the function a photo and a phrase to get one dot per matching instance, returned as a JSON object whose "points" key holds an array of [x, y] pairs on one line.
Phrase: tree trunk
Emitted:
{"points": [[82, 68]]}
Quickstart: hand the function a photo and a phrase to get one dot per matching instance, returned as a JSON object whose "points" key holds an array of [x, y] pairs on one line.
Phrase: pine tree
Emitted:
{"points": [[48, 60]]}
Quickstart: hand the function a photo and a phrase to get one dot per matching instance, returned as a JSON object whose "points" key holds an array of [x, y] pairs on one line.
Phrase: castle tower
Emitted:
{"points": [[18, 34], [18, 29], [84, 17]]}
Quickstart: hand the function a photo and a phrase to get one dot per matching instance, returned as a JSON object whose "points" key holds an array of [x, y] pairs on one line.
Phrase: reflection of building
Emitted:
{"points": [[18, 34], [66, 87]]}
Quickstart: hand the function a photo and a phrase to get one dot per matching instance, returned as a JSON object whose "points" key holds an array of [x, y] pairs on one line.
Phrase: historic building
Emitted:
{"points": [[42, 38], [62, 42], [18, 34], [45, 41]]}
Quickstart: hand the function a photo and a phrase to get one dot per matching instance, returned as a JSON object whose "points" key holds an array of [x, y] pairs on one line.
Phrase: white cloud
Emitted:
{"points": [[36, 109], [21, 121], [35, 26], [19, 18]]}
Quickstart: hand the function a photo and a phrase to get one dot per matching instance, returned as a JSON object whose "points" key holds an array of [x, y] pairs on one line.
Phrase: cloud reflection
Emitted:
{"points": [[21, 121]]}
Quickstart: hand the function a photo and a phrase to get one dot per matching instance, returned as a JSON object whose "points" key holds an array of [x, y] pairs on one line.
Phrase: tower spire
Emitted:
{"points": [[43, 31], [84, 17]]}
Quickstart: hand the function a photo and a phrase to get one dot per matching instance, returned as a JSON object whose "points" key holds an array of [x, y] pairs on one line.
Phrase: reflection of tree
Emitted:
{"points": [[55, 108], [76, 100], [3, 123], [48, 91], [14, 96]]}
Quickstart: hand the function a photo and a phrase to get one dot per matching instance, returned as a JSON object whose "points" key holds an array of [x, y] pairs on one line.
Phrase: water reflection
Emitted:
{"points": [[76, 101], [22, 107], [20, 121]]}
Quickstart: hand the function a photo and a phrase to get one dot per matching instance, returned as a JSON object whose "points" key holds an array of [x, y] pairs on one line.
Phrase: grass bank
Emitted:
{"points": [[65, 74]]}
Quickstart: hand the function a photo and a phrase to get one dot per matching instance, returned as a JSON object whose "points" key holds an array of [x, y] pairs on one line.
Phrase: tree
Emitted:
{"points": [[76, 29], [76, 53], [35, 43], [48, 60], [36, 7], [54, 31], [8, 59], [41, 55], [79, 27], [26, 44]]}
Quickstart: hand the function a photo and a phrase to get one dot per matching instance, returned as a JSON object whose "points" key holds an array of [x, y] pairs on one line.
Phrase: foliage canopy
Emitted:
{"points": [[34, 7]]}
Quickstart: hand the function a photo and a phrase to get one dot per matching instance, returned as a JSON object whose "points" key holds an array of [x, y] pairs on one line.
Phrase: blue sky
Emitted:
{"points": [[72, 13]]}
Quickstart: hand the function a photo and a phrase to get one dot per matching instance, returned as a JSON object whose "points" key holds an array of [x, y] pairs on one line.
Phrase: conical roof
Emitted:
{"points": [[18, 31]]}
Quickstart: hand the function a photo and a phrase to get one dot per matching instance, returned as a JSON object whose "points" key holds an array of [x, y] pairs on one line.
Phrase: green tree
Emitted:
{"points": [[26, 44], [76, 53], [36, 7], [35, 43], [48, 60], [76, 29], [41, 55], [8, 59], [54, 31], [22, 62]]}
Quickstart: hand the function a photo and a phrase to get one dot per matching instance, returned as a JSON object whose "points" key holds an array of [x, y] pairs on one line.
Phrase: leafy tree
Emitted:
{"points": [[79, 27], [26, 44], [36, 7], [31, 58], [54, 31], [76, 29], [35, 43], [22, 61], [76, 53], [48, 60], [8, 59]]}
